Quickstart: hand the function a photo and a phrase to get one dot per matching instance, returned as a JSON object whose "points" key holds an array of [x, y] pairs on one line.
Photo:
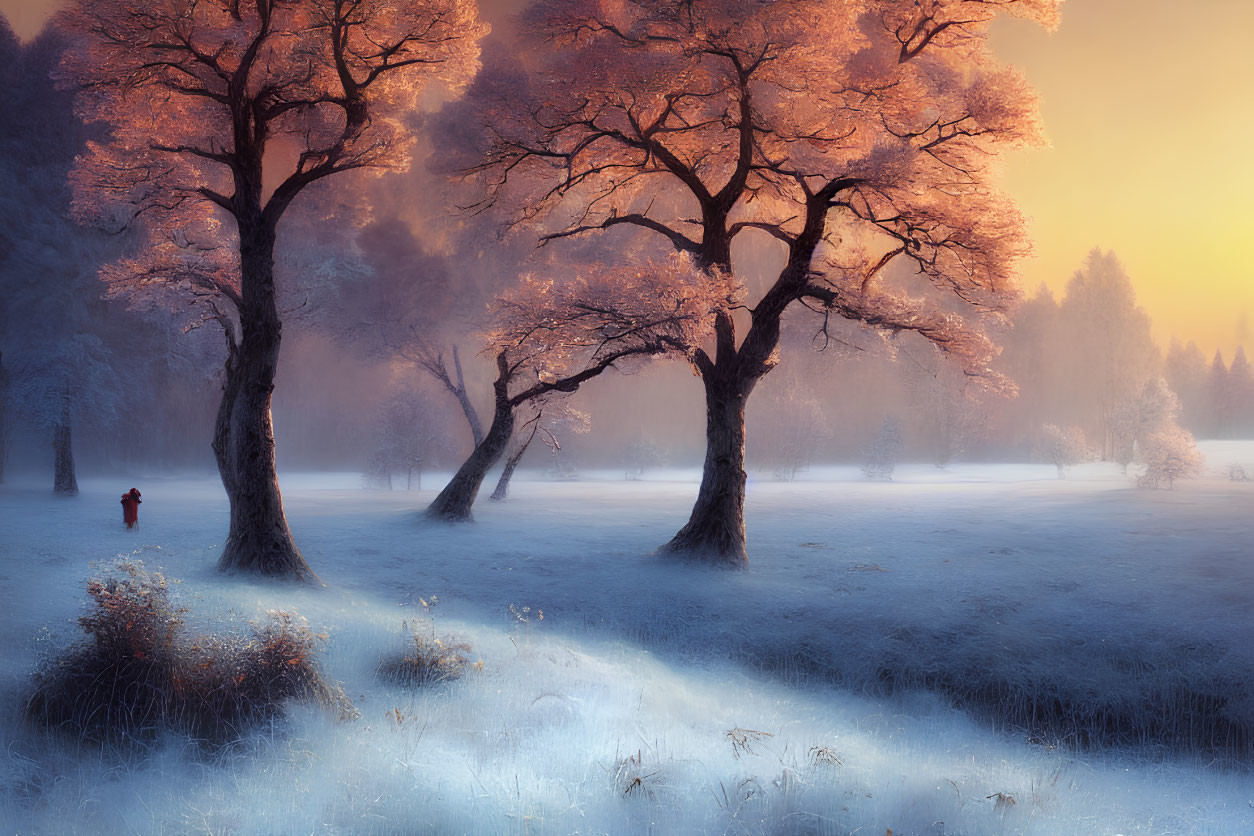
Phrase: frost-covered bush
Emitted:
{"points": [[425, 659], [882, 455], [1170, 454], [1062, 447], [140, 673]]}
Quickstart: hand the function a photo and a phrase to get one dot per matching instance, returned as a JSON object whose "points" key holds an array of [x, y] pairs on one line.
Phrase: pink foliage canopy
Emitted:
{"points": [[873, 127], [553, 335], [222, 111]]}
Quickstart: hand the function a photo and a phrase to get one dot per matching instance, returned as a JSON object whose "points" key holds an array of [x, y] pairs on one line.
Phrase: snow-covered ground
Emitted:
{"points": [[981, 650]]}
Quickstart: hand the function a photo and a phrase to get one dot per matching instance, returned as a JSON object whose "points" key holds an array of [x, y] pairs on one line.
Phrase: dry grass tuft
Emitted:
{"points": [[425, 659]]}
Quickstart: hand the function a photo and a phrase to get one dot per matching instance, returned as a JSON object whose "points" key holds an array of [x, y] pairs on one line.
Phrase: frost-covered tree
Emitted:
{"points": [[789, 428], [883, 454], [407, 439], [1030, 357], [857, 136], [1063, 448], [51, 319], [1218, 398], [221, 113], [63, 380], [1185, 371], [1105, 346], [1170, 454], [548, 339], [951, 414], [1154, 409], [1241, 394], [642, 454]]}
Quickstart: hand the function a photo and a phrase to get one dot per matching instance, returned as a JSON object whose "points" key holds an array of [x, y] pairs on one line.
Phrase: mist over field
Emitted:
{"points": [[600, 417]]}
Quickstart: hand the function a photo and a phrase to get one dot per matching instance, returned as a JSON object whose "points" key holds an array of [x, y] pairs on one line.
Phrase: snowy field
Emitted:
{"points": [[981, 650]]}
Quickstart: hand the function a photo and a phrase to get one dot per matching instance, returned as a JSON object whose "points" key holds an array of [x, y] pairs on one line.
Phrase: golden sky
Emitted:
{"points": [[1149, 106]]}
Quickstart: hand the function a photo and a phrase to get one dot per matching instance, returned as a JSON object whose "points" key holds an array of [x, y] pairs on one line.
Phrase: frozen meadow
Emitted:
{"points": [[986, 649]]}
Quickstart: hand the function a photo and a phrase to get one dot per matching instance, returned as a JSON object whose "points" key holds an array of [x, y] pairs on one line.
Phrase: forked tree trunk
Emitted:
{"points": [[64, 481], [715, 533], [259, 541], [454, 502]]}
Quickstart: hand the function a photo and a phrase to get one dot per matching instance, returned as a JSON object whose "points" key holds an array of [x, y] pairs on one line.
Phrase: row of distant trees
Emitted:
{"points": [[1217, 398], [1089, 378]]}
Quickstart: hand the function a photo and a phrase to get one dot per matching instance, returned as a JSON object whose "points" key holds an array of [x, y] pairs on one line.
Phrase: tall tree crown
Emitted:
{"points": [[861, 134], [223, 111]]}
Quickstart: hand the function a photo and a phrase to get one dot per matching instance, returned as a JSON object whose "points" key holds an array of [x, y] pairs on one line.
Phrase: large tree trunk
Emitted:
{"points": [[259, 541], [715, 532], [454, 502], [64, 481]]}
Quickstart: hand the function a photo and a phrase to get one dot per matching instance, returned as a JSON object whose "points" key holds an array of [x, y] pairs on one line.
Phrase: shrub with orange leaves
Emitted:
{"points": [[141, 674]]}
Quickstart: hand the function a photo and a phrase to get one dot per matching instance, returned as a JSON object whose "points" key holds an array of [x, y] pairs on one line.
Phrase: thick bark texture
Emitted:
{"points": [[259, 541], [454, 502], [64, 481], [715, 532]]}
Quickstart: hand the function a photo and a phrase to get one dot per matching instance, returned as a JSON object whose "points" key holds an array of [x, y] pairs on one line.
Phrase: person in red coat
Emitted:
{"points": [[130, 508]]}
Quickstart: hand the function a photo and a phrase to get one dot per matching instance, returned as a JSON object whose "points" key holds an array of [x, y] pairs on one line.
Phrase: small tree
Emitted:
{"points": [[546, 424], [548, 340], [1241, 399], [1218, 399], [1170, 454], [61, 381], [793, 441], [1108, 351], [642, 454], [1153, 409], [1185, 370], [405, 441], [882, 455], [1063, 448], [952, 413]]}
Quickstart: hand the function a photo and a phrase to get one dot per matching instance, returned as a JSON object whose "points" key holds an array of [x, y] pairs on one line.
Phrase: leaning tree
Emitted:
{"points": [[860, 136], [220, 114], [550, 337]]}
